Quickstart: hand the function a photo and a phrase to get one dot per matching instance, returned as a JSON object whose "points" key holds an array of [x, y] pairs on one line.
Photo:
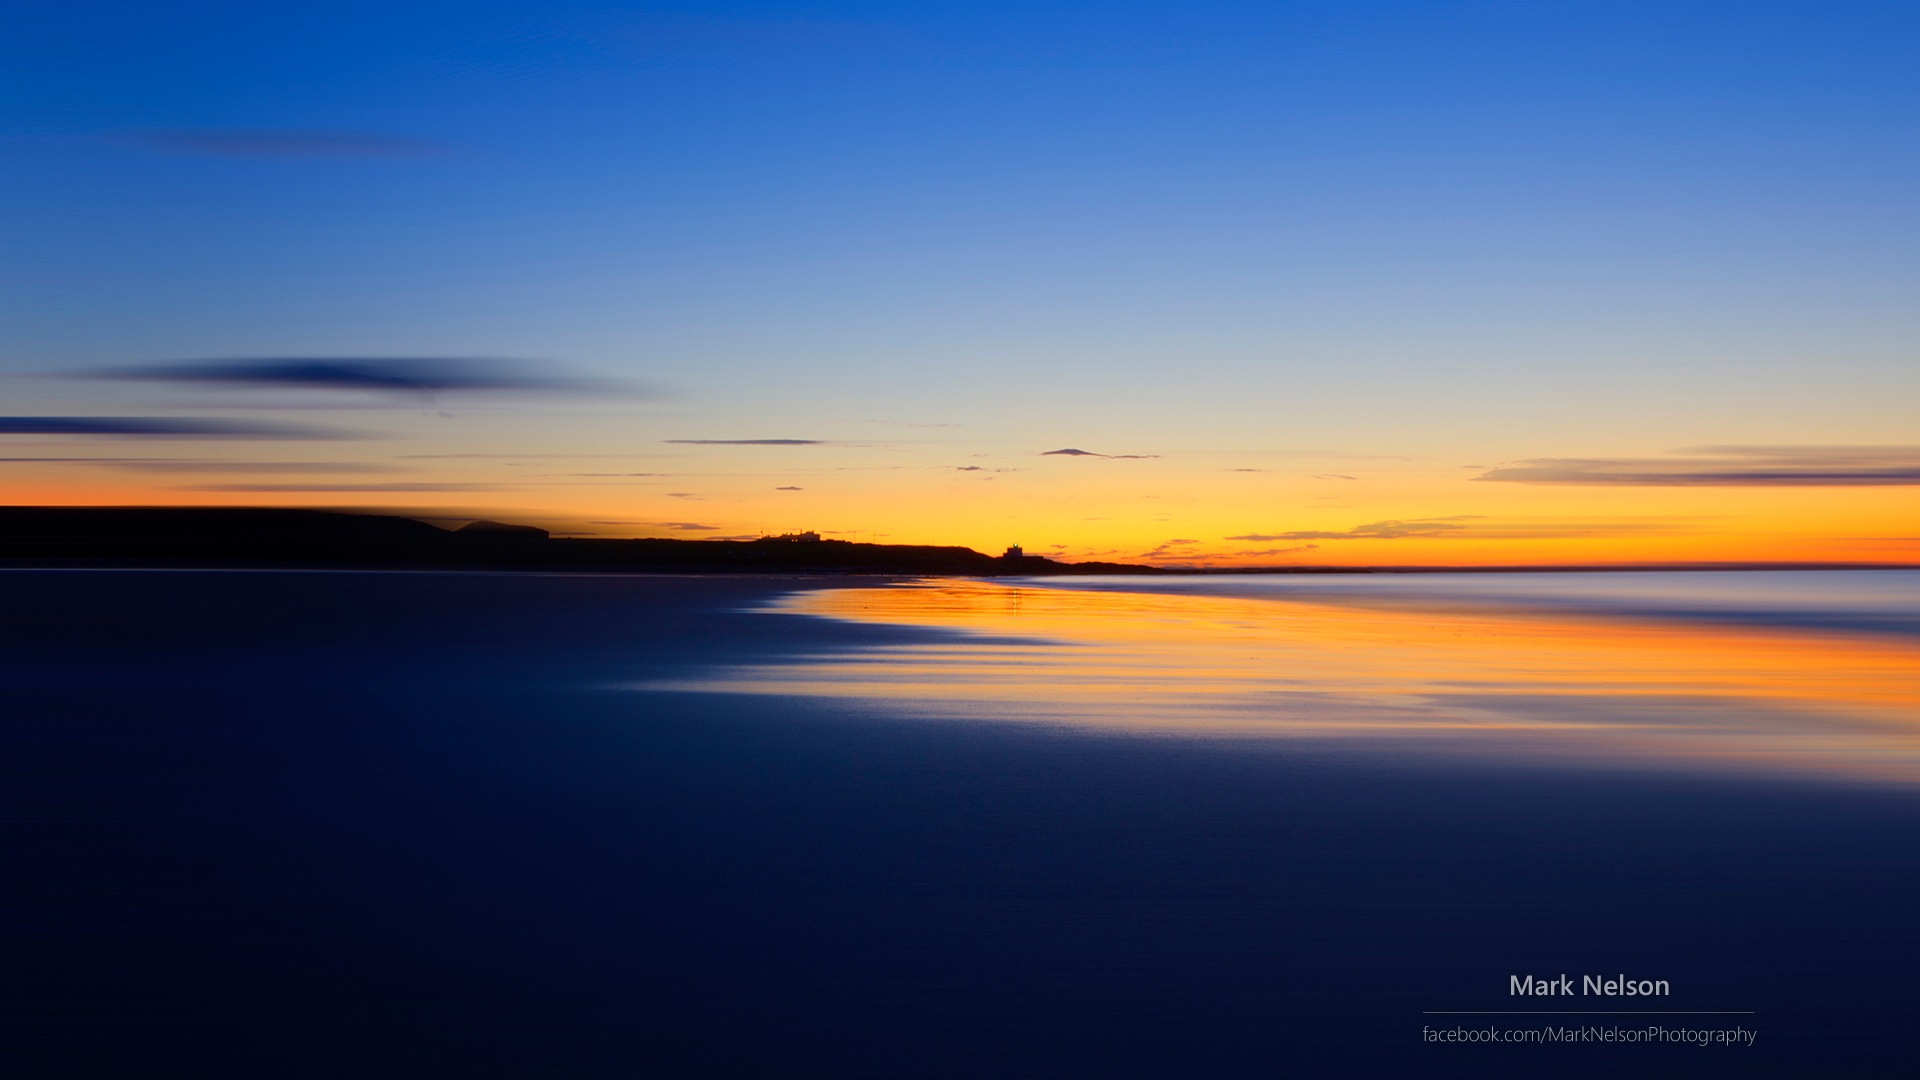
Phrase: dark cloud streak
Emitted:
{"points": [[745, 442], [160, 427], [175, 466], [403, 486], [1072, 451], [404, 375]]}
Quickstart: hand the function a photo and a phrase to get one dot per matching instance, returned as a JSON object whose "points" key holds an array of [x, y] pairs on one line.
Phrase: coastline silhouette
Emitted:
{"points": [[249, 537]]}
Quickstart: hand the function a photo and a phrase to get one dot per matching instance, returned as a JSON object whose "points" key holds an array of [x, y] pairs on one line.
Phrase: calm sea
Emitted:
{"points": [[1814, 673], [558, 826]]}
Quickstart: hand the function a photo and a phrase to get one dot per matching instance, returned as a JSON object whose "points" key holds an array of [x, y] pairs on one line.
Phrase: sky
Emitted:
{"points": [[1332, 283]]}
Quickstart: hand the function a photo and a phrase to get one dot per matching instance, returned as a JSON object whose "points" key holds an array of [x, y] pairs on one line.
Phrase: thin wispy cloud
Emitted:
{"points": [[403, 486], [162, 465], [1169, 548], [1465, 526], [280, 143], [745, 442], [685, 526], [1728, 466], [161, 427], [1378, 530]]}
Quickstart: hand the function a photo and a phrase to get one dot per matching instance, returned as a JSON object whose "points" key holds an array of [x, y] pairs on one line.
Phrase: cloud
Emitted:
{"points": [[518, 457], [281, 143], [1468, 526], [1281, 551], [1833, 455], [786, 489], [160, 427], [745, 442], [1378, 530], [407, 375], [685, 526], [1076, 452], [1334, 476], [1166, 548], [184, 466], [681, 495], [1728, 466], [409, 486]]}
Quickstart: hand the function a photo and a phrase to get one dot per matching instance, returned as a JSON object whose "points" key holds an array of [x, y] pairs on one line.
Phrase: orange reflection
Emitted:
{"points": [[1486, 682]]}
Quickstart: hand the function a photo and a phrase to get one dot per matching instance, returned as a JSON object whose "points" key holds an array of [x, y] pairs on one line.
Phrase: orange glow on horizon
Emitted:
{"points": [[1153, 513]]}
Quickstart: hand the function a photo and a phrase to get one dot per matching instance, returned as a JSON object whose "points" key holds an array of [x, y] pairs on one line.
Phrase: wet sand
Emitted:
{"points": [[426, 825]]}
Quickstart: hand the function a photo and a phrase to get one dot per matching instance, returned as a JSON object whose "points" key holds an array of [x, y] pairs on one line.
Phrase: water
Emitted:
{"points": [[513, 825], [1794, 673]]}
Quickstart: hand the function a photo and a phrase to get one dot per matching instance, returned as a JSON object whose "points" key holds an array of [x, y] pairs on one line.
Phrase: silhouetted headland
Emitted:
{"points": [[45, 536], [204, 537]]}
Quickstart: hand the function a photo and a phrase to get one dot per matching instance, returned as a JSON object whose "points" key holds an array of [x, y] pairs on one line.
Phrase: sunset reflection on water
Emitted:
{"points": [[1575, 680]]}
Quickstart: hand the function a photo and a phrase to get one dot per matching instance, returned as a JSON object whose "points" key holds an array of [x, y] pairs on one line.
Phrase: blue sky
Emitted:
{"points": [[1454, 230]]}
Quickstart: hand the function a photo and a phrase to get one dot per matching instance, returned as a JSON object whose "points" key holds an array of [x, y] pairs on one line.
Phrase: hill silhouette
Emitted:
{"points": [[242, 537]]}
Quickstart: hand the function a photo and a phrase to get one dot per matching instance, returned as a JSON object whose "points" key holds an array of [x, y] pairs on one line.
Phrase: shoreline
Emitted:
{"points": [[134, 563], [262, 538]]}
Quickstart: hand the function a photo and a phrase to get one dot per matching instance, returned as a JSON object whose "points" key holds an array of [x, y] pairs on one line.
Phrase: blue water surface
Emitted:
{"points": [[265, 824]]}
